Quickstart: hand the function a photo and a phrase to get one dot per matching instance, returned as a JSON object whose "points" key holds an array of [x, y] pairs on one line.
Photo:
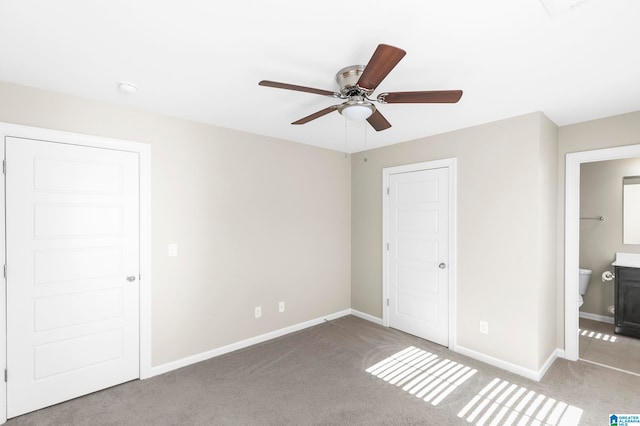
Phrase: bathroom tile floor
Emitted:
{"points": [[599, 344]]}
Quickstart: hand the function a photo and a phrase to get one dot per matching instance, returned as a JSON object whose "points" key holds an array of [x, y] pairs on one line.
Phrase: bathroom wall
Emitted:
{"points": [[619, 130], [601, 195]]}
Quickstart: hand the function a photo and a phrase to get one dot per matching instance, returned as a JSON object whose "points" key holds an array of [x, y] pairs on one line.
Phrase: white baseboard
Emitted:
{"points": [[513, 368], [525, 372], [174, 365], [596, 317], [367, 317], [557, 353]]}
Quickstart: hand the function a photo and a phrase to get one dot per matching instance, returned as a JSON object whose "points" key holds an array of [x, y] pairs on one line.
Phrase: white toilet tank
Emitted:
{"points": [[585, 277]]}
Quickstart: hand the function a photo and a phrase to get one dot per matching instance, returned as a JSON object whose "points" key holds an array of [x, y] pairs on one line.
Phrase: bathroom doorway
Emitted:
{"points": [[595, 341]]}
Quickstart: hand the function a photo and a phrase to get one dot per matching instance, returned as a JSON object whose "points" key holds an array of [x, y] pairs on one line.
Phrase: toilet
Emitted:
{"points": [[585, 277]]}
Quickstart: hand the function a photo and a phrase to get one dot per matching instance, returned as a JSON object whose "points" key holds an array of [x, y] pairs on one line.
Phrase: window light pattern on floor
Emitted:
{"points": [[422, 374], [502, 403], [597, 336]]}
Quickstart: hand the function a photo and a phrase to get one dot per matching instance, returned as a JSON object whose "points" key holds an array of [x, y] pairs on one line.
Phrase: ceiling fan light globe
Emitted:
{"points": [[357, 112]]}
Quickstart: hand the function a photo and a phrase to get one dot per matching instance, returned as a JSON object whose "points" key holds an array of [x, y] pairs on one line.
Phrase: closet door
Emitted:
{"points": [[72, 235], [418, 215]]}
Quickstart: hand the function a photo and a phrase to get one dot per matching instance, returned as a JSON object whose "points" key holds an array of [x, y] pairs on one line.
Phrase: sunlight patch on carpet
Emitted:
{"points": [[422, 374], [504, 403]]}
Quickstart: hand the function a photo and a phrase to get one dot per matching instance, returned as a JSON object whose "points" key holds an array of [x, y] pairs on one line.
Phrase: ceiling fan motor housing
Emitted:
{"points": [[347, 79]]}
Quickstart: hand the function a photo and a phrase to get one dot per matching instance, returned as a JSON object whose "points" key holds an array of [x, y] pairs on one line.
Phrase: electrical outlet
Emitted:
{"points": [[281, 307], [484, 327], [257, 311]]}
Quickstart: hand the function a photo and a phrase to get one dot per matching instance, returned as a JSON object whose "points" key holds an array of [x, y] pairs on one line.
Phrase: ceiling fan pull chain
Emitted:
{"points": [[365, 141], [345, 138]]}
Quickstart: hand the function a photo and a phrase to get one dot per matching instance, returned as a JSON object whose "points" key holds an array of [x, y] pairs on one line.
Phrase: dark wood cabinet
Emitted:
{"points": [[627, 300]]}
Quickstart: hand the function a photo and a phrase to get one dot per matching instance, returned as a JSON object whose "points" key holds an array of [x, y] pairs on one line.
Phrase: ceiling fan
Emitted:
{"points": [[357, 83]]}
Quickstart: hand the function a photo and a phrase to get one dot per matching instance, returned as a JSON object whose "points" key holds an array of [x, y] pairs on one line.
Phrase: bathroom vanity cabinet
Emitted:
{"points": [[627, 301]]}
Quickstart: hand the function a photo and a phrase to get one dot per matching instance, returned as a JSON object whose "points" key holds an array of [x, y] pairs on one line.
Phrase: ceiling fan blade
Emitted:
{"points": [[384, 59], [315, 115], [378, 121], [277, 85], [426, 97]]}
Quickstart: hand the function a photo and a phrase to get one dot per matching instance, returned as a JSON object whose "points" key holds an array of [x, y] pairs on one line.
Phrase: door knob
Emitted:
{"points": [[442, 265], [131, 278]]}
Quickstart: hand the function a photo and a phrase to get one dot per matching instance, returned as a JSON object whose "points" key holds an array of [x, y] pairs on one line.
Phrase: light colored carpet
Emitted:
{"points": [[352, 372]]}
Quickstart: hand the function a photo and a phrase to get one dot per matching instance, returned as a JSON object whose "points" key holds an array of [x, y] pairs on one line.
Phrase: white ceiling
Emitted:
{"points": [[202, 59]]}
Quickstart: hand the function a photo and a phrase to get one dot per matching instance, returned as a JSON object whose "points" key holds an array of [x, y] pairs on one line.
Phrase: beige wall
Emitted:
{"points": [[256, 220], [506, 233], [601, 195], [619, 130], [547, 239]]}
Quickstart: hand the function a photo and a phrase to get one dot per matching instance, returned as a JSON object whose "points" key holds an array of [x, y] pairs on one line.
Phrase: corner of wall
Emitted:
{"points": [[547, 238]]}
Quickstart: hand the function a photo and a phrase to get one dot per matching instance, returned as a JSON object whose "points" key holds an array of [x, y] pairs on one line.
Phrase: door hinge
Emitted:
{"points": [[387, 246], [387, 190], [387, 301], [5, 270], [5, 375], [4, 167]]}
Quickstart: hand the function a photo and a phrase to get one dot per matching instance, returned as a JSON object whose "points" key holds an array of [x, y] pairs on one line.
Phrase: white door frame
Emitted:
{"points": [[572, 235], [451, 164], [144, 152]]}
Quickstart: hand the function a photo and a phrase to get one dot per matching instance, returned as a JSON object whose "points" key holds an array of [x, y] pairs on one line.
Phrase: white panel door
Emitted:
{"points": [[418, 253], [72, 226]]}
